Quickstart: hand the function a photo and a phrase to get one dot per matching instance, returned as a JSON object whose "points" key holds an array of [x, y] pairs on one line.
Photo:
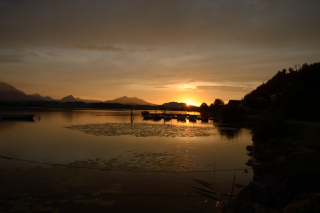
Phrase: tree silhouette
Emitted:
{"points": [[217, 104], [204, 107]]}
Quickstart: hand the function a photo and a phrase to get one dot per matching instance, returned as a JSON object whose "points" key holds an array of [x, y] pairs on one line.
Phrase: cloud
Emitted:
{"points": [[112, 48], [52, 54], [12, 1], [101, 48], [34, 54], [11, 58], [240, 89], [154, 23], [156, 46], [161, 87]]}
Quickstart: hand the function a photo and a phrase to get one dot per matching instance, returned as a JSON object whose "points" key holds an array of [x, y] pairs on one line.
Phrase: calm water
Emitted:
{"points": [[116, 165]]}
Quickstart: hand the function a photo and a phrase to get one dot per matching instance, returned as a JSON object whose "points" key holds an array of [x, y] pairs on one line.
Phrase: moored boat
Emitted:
{"points": [[204, 119], [167, 117], [145, 113], [192, 118], [16, 117], [181, 118]]}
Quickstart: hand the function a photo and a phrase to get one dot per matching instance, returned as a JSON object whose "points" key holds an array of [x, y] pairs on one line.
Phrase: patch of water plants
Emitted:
{"points": [[60, 185], [142, 130]]}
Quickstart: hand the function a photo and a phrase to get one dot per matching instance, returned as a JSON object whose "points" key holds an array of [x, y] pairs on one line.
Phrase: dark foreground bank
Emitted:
{"points": [[285, 161]]}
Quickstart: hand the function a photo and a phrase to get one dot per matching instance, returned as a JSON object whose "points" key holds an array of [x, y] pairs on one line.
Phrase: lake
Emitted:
{"points": [[100, 161]]}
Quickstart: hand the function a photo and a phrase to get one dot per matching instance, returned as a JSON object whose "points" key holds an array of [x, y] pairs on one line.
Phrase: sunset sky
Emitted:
{"points": [[160, 51]]}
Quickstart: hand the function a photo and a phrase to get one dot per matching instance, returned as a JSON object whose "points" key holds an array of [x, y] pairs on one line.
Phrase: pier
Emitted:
{"points": [[179, 116]]}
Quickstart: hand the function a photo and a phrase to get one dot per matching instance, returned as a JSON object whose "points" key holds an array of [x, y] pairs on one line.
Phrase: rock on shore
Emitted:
{"points": [[280, 182]]}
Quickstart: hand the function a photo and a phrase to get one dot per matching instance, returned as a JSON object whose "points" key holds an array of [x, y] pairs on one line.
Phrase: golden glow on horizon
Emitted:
{"points": [[191, 104]]}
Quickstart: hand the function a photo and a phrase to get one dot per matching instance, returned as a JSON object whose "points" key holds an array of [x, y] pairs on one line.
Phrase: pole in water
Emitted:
{"points": [[131, 115]]}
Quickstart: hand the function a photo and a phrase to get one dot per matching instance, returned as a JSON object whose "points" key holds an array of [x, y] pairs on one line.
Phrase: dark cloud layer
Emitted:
{"points": [[101, 48], [145, 22], [11, 58], [111, 48]]}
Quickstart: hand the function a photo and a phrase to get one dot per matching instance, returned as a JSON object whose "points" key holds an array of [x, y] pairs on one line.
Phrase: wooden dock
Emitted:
{"points": [[179, 116]]}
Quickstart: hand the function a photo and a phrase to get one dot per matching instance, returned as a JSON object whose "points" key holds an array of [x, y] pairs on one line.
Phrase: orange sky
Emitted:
{"points": [[159, 51]]}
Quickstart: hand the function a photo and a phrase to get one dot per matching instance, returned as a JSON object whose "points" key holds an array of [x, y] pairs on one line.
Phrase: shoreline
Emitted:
{"points": [[285, 167]]}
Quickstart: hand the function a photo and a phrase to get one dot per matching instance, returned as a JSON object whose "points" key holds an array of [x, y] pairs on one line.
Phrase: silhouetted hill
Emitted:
{"points": [[46, 98], [175, 105], [16, 96], [293, 94], [87, 100], [10, 93], [126, 100], [4, 87], [68, 98]]}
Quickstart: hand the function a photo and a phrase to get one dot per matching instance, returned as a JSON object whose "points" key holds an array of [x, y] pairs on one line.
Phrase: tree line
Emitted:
{"points": [[290, 94]]}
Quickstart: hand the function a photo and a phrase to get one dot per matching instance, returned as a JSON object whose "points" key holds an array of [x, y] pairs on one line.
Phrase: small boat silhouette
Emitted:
{"points": [[16, 117]]}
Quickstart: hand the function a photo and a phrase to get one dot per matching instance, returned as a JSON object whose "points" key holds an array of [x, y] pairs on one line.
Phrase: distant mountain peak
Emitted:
{"points": [[68, 98], [4, 87], [46, 98], [71, 98], [10, 93], [127, 100], [37, 95]]}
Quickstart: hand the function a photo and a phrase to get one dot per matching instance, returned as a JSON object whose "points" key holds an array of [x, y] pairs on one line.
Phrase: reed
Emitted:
{"points": [[234, 179], [209, 189]]}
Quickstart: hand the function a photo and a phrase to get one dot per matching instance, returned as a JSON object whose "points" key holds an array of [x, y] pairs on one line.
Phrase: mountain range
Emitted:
{"points": [[127, 100], [10, 93]]}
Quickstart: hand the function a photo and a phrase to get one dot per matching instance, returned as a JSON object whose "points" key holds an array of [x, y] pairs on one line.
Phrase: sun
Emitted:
{"points": [[188, 100], [190, 104]]}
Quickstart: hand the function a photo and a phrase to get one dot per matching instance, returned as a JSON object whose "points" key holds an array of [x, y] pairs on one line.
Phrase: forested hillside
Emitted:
{"points": [[292, 93]]}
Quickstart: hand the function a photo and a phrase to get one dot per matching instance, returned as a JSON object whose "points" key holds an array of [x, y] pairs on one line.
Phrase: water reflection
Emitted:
{"points": [[142, 130], [8, 121], [134, 153], [67, 115], [229, 131], [9, 124]]}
